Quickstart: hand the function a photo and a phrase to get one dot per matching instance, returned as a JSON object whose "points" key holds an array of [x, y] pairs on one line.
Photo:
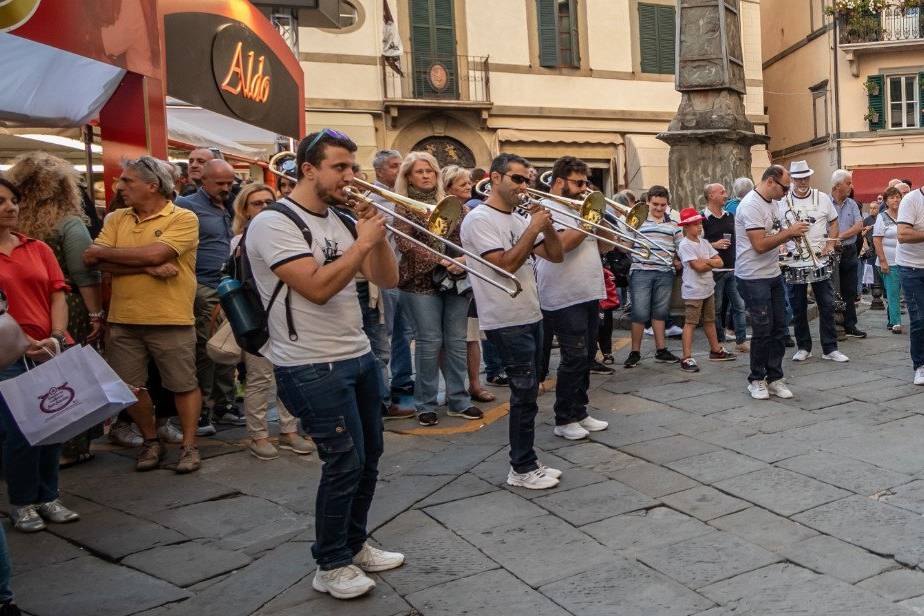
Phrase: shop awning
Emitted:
{"points": [[646, 161], [516, 135], [871, 181]]}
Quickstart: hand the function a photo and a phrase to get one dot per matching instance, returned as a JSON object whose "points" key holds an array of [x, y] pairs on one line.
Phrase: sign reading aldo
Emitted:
{"points": [[242, 70]]}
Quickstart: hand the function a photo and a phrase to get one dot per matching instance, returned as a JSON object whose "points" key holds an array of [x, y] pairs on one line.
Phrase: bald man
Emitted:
{"points": [[209, 205], [195, 167]]}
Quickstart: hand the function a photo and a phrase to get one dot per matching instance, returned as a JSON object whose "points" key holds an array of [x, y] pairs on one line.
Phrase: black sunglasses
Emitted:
{"points": [[579, 183], [783, 186], [517, 178], [327, 132]]}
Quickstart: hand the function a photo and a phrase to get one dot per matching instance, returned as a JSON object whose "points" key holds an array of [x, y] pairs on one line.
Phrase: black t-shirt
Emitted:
{"points": [[713, 230]]}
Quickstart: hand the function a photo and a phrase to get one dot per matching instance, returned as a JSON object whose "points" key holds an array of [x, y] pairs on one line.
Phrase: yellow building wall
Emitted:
{"points": [[502, 35], [609, 37], [784, 23]]}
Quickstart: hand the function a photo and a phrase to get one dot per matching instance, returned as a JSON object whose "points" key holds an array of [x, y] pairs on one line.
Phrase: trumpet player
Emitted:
{"points": [[569, 295], [514, 325], [815, 207]]}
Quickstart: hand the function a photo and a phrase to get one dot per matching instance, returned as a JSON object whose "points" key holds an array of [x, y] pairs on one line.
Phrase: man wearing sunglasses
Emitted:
{"points": [[326, 374], [569, 295], [758, 235], [514, 325]]}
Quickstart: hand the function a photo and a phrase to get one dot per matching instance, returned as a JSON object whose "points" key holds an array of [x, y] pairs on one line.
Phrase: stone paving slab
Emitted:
{"points": [[781, 491], [632, 532], [704, 503], [626, 588], [844, 472], [895, 445], [187, 563], [669, 448], [908, 496], [462, 487], [746, 584], [492, 592], [770, 447], [594, 502], [301, 599], [492, 509], [896, 585], [707, 559], [672, 392], [37, 550], [763, 528], [715, 466], [400, 492], [651, 479], [289, 481], [836, 558]]}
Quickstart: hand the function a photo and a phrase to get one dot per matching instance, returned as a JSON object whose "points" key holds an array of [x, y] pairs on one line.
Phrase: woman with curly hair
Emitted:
{"points": [[51, 210]]}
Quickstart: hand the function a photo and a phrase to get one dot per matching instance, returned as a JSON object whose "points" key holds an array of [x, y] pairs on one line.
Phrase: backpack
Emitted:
{"points": [[238, 268]]}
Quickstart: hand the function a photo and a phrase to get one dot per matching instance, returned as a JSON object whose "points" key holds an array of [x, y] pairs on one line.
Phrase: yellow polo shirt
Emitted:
{"points": [[141, 299]]}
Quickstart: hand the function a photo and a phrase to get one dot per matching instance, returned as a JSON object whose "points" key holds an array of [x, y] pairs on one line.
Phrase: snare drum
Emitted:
{"points": [[803, 271]]}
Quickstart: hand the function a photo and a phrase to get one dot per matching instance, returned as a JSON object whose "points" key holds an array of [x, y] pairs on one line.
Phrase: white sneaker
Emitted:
{"points": [[673, 331], [534, 480], [801, 355], [649, 331], [125, 434], [371, 559], [554, 473], [835, 356], [779, 389], [593, 425], [758, 390], [919, 376], [342, 583], [572, 431], [170, 433]]}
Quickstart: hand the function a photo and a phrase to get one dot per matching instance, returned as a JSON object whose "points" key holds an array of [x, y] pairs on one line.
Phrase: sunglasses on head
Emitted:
{"points": [[326, 132], [144, 161], [517, 178]]}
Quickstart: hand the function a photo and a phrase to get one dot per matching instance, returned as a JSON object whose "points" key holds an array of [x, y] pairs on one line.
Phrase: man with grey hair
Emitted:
{"points": [[149, 248], [850, 226], [740, 188]]}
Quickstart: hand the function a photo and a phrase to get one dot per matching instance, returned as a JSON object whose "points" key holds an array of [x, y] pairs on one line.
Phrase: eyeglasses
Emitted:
{"points": [[783, 186], [144, 161], [517, 178], [326, 132], [263, 203], [579, 183]]}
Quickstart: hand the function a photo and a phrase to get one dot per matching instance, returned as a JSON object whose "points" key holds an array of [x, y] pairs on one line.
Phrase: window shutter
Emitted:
{"points": [[875, 88], [575, 49], [648, 37], [921, 96], [547, 20], [667, 26], [444, 44]]}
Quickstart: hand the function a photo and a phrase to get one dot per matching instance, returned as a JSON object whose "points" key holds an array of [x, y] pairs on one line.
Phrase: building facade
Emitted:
{"points": [[542, 78], [844, 90]]}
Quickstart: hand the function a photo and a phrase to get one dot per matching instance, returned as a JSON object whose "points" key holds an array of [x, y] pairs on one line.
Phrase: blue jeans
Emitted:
{"points": [[824, 299], [31, 472], [376, 331], [6, 593], [402, 370], [493, 366], [766, 303], [520, 348], [339, 405], [913, 284], [893, 290], [576, 327], [441, 323], [726, 290], [650, 292]]}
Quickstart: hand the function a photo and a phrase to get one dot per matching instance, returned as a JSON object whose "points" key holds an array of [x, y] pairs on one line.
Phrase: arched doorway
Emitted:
{"points": [[448, 151]]}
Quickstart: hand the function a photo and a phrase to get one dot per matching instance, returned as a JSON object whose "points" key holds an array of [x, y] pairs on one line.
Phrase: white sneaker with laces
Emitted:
{"points": [[371, 559], [534, 480], [835, 356], [919, 376], [554, 473], [801, 355], [170, 433], [649, 331], [779, 389], [572, 431], [342, 583], [125, 434], [673, 330], [592, 424], [758, 390]]}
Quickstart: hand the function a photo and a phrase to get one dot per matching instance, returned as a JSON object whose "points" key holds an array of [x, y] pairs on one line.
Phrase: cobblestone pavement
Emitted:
{"points": [[696, 500]]}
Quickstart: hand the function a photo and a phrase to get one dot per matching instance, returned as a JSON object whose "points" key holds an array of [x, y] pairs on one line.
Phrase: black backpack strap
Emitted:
{"points": [[348, 221]]}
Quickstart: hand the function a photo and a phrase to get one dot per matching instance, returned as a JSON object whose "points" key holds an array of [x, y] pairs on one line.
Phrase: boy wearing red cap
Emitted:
{"points": [[699, 258]]}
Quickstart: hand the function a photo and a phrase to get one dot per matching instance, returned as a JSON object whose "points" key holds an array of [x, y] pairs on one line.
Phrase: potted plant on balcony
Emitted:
{"points": [[859, 20], [872, 87], [872, 116]]}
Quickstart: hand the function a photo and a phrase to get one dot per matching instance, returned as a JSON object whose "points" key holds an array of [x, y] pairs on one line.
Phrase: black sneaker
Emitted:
{"points": [[855, 333], [689, 365], [428, 419], [499, 380], [789, 342], [472, 412], [666, 357], [598, 368], [205, 427], [230, 418], [632, 360]]}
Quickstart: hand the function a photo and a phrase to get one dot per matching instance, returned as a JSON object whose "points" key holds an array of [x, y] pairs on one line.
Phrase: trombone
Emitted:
{"points": [[441, 220]]}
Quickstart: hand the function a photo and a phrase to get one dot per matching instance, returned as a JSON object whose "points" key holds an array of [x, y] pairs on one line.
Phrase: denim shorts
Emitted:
{"points": [[650, 294]]}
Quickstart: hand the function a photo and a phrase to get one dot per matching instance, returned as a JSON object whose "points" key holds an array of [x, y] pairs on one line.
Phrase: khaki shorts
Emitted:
{"points": [[172, 347], [696, 308], [472, 333]]}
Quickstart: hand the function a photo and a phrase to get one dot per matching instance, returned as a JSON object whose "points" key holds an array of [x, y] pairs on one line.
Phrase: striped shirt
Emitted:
{"points": [[666, 235]]}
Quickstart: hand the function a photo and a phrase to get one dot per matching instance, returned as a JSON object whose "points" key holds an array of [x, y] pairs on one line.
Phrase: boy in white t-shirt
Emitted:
{"points": [[699, 258]]}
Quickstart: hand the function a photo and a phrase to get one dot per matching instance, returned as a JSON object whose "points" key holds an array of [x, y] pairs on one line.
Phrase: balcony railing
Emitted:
{"points": [[891, 25], [439, 78]]}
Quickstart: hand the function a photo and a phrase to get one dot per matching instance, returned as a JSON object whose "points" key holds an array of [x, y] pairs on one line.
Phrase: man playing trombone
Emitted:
{"points": [[514, 324], [569, 295]]}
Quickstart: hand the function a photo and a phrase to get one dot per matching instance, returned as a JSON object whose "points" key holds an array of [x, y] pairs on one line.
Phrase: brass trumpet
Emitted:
{"points": [[441, 220]]}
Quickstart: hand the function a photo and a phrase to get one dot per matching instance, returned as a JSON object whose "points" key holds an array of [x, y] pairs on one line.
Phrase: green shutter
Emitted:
{"points": [[875, 89], [433, 40], [573, 20], [666, 34], [547, 20], [648, 37], [921, 93]]}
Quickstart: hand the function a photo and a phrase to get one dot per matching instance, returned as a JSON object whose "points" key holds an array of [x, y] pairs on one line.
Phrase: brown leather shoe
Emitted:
{"points": [[396, 412], [152, 452], [189, 460]]}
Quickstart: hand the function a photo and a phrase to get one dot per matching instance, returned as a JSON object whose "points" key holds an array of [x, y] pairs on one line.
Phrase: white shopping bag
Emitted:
{"points": [[66, 395], [868, 277]]}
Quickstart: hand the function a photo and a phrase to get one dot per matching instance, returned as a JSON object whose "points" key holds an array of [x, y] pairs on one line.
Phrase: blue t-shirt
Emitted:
{"points": [[214, 236]]}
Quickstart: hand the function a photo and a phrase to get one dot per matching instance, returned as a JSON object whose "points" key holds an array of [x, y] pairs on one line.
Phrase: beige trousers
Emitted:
{"points": [[260, 383]]}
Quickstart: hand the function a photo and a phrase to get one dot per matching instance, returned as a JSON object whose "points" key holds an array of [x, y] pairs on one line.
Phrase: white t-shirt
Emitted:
{"points": [[485, 230], [577, 279], [755, 212], [815, 205], [911, 212], [696, 285], [887, 229], [328, 333]]}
